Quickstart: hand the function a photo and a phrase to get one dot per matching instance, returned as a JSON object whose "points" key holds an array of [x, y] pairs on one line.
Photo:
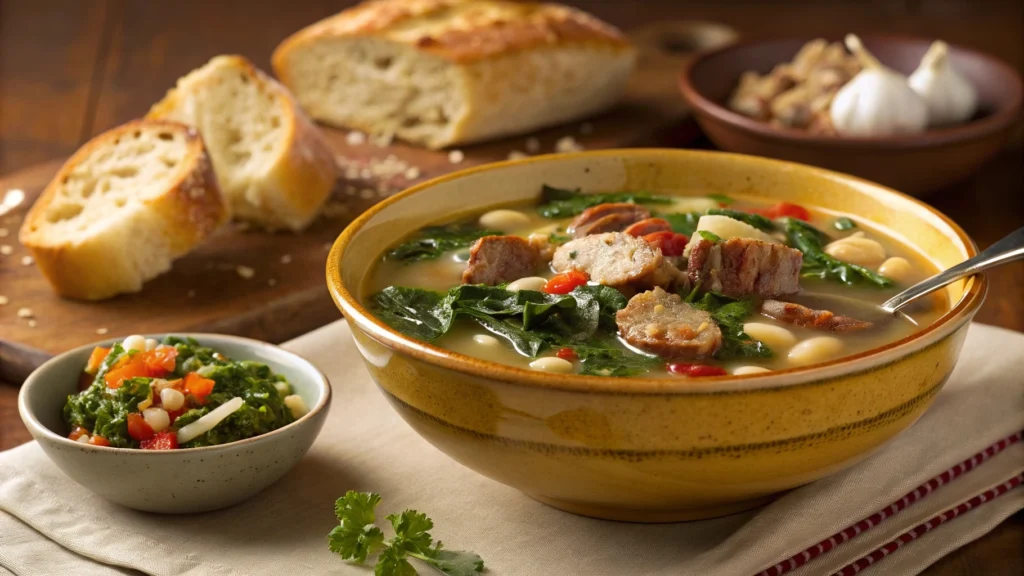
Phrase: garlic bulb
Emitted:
{"points": [[878, 101], [950, 97]]}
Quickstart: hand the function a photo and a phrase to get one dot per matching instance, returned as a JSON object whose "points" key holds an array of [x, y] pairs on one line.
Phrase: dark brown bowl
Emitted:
{"points": [[912, 163]]}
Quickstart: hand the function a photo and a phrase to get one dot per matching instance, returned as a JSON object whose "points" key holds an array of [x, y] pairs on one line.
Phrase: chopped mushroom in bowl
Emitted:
{"points": [[151, 422], [650, 363]]}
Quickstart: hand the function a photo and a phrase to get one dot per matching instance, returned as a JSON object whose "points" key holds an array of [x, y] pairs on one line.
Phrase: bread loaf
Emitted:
{"points": [[122, 208], [444, 72], [272, 162]]}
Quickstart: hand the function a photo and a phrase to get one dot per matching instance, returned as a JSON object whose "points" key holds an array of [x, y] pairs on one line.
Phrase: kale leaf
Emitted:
{"points": [[721, 199], [357, 537], [843, 224], [682, 223], [562, 203], [729, 314], [818, 264], [432, 241]]}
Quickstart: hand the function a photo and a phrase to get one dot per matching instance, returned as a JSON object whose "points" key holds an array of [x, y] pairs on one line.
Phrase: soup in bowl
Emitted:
{"points": [[639, 335]]}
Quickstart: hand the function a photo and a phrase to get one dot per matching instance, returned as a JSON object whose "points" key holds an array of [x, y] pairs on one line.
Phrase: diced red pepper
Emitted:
{"points": [[159, 360], [138, 428], [116, 376], [670, 243], [695, 370], [77, 432], [198, 386], [791, 210], [166, 440], [173, 414], [99, 354], [565, 283], [567, 354], [97, 440]]}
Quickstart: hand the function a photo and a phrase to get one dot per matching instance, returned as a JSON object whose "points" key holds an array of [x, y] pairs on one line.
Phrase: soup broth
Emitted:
{"points": [[744, 286]]}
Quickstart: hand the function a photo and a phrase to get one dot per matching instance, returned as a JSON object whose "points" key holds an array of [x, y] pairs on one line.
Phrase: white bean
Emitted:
{"points": [[552, 364], [84, 439], [899, 269], [485, 340], [857, 250], [297, 405], [742, 370], [134, 342], [283, 388], [814, 350], [157, 418], [171, 399], [504, 220], [774, 337], [534, 283], [151, 344]]}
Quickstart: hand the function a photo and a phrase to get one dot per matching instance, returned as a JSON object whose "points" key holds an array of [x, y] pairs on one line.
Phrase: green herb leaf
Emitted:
{"points": [[729, 314], [456, 562], [682, 223], [709, 236], [412, 531], [818, 264], [843, 224], [356, 537], [433, 241], [562, 203], [755, 220], [721, 199], [392, 562]]}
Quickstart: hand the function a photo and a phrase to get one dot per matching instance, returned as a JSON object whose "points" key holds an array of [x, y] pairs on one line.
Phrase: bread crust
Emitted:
{"points": [[300, 178], [461, 31], [185, 214]]}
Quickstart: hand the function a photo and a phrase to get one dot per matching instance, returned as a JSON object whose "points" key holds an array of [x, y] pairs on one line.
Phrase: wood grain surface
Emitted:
{"points": [[70, 69]]}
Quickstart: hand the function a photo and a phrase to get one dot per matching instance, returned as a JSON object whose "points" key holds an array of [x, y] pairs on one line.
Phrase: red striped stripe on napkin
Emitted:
{"points": [[909, 499]]}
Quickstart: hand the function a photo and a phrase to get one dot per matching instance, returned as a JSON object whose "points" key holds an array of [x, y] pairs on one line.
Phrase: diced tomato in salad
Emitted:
{"points": [[167, 440], [565, 283], [695, 370], [138, 428], [783, 210], [670, 243], [97, 440], [198, 386], [77, 432], [567, 354], [155, 363]]}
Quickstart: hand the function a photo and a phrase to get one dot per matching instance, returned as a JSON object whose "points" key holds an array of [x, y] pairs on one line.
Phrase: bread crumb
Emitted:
{"points": [[25, 313], [3, 300], [517, 155], [286, 259], [26, 260], [31, 323], [334, 209], [327, 245], [382, 140], [6, 250], [567, 144], [366, 173], [351, 190], [102, 331], [456, 156], [367, 193], [586, 128], [355, 138], [245, 272], [4, 232], [191, 293], [351, 172], [272, 282], [412, 173], [532, 145]]}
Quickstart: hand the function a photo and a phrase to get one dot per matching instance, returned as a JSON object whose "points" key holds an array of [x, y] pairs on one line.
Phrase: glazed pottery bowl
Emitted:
{"points": [[654, 450], [185, 480], [914, 163]]}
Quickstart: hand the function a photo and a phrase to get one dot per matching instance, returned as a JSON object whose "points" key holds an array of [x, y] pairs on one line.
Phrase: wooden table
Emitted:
{"points": [[70, 69]]}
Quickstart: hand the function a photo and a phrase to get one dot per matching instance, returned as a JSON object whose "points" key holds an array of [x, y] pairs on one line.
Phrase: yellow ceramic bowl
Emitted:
{"points": [[654, 450]]}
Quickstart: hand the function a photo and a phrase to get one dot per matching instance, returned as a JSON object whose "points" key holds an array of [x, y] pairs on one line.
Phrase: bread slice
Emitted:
{"points": [[445, 72], [122, 208], [273, 164]]}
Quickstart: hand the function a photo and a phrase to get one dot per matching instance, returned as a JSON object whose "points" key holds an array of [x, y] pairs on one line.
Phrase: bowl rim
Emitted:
{"points": [[1001, 119], [35, 378], [353, 310]]}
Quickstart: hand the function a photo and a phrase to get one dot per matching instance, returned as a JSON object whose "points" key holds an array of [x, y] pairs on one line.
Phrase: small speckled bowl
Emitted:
{"points": [[644, 449], [176, 481]]}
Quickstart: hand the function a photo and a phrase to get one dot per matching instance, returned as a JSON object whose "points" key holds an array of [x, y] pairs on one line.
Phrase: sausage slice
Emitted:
{"points": [[499, 259], [618, 260], [740, 267], [610, 217], [793, 313], [648, 226], [663, 324]]}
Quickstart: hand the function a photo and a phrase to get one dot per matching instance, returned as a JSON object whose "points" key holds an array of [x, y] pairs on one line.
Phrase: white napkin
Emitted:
{"points": [[50, 525]]}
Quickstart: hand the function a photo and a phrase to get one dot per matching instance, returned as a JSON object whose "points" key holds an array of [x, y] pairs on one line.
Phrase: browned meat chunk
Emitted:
{"points": [[611, 217], [618, 260], [663, 324], [741, 267], [648, 226], [792, 313], [498, 259]]}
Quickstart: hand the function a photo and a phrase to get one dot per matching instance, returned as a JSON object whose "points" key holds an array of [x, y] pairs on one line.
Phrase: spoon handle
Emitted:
{"points": [[1008, 249]]}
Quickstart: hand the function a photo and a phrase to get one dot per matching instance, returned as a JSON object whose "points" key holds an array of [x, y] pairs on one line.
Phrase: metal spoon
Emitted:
{"points": [[1008, 249]]}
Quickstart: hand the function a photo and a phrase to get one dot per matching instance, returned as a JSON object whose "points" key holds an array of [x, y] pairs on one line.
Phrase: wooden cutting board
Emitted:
{"points": [[271, 286]]}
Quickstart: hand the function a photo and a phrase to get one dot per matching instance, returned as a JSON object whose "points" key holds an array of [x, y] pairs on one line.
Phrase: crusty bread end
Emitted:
{"points": [[122, 208]]}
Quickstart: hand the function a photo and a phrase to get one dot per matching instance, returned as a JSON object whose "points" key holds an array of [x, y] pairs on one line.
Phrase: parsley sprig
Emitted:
{"points": [[357, 537]]}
